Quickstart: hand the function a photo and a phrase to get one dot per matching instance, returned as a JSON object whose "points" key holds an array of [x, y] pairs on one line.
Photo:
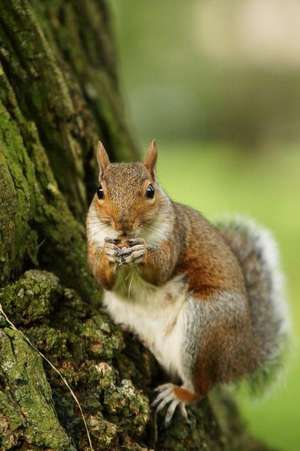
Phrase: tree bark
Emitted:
{"points": [[59, 93]]}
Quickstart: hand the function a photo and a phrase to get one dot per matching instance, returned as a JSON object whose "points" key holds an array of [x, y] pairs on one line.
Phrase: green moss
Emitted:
{"points": [[102, 343], [129, 405], [17, 197], [32, 297], [103, 433], [27, 410]]}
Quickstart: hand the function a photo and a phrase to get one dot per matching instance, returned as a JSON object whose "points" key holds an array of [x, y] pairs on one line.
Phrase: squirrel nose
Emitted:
{"points": [[123, 224]]}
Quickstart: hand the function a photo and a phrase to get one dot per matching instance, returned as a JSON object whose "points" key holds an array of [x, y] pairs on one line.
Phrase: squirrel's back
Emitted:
{"points": [[206, 257]]}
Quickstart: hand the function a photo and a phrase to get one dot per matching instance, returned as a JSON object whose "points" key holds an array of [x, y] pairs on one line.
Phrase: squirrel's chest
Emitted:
{"points": [[155, 314]]}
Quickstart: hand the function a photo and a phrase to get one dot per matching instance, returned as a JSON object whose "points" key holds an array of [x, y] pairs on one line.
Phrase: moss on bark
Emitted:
{"points": [[28, 419], [58, 94]]}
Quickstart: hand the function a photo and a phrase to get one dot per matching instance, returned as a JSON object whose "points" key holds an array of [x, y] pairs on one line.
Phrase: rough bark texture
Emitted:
{"points": [[58, 94]]}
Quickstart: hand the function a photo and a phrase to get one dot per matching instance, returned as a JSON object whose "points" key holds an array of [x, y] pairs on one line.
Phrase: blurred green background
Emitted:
{"points": [[217, 83]]}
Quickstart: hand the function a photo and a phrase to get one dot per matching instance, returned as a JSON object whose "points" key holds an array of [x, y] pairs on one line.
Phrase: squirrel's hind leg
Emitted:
{"points": [[173, 396]]}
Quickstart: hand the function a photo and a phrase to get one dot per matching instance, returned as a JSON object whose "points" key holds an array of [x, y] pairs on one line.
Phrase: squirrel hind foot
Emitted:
{"points": [[173, 396]]}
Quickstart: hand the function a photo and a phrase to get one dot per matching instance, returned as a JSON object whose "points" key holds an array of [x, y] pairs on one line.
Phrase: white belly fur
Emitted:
{"points": [[155, 314]]}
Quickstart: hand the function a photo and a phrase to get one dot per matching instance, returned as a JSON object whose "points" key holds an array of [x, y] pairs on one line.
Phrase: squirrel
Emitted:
{"points": [[205, 299]]}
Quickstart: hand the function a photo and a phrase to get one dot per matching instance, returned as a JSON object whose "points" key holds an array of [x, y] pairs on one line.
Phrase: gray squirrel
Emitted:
{"points": [[205, 299]]}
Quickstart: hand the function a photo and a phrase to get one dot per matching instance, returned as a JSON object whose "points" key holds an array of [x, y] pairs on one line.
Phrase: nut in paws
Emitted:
{"points": [[135, 253]]}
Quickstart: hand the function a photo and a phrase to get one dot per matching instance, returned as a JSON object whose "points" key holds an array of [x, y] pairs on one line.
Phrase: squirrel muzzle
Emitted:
{"points": [[124, 225]]}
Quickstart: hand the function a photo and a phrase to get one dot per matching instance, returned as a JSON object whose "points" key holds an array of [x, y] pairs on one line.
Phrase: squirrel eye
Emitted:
{"points": [[100, 192], [150, 191]]}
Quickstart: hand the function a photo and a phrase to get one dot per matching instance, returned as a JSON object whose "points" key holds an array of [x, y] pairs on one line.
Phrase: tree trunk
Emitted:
{"points": [[58, 94]]}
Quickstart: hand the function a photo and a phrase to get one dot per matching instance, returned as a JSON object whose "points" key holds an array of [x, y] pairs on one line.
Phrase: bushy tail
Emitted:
{"points": [[257, 253]]}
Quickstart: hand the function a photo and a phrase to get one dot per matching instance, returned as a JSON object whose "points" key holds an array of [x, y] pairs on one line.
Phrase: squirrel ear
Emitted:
{"points": [[151, 157], [102, 158]]}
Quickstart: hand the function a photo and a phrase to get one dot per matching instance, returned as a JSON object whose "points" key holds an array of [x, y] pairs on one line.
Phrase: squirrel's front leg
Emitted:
{"points": [[104, 262], [158, 262]]}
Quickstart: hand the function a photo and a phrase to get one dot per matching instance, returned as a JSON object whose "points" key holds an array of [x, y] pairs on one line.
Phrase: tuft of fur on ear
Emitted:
{"points": [[102, 158], [151, 158]]}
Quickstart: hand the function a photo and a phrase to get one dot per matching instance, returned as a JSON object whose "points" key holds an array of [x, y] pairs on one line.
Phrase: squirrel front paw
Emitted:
{"points": [[134, 253], [111, 251]]}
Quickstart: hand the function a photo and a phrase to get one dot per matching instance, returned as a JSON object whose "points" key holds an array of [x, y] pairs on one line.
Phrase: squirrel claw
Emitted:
{"points": [[184, 413], [167, 397], [111, 251], [163, 387], [135, 241], [112, 240], [134, 254]]}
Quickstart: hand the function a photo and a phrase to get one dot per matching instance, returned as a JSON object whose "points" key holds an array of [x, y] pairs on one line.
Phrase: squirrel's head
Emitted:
{"points": [[128, 198]]}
